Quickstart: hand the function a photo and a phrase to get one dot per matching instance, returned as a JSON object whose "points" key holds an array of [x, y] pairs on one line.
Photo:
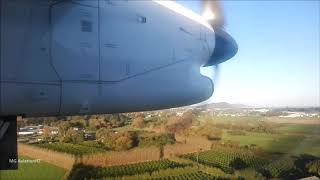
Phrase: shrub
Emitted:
{"points": [[151, 139], [227, 159], [76, 149], [237, 133], [238, 163], [72, 136], [116, 140], [314, 167], [91, 172]]}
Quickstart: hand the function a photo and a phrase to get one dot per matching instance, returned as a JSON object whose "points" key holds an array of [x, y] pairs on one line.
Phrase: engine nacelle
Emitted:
{"points": [[92, 57]]}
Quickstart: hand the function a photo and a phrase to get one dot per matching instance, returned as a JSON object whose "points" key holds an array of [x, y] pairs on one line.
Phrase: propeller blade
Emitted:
{"points": [[216, 74], [213, 13]]}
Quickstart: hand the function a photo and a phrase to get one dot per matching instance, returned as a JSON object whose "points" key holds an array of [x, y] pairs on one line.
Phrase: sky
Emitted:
{"points": [[278, 61]]}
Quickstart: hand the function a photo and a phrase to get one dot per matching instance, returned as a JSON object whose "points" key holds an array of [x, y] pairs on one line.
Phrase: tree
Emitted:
{"points": [[314, 167], [238, 163], [181, 124], [138, 122], [115, 140], [73, 136], [63, 128], [123, 142], [21, 122], [214, 135], [101, 134], [155, 139], [97, 123], [78, 121], [116, 120], [47, 136]]}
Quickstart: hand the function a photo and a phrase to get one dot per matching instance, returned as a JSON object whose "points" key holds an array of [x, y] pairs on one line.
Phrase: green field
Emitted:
{"points": [[228, 159], [242, 148], [198, 175], [299, 128], [33, 171], [76, 149], [282, 143], [91, 172], [278, 167]]}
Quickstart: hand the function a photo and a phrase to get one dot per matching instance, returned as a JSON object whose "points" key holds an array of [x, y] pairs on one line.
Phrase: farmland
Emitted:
{"points": [[192, 146], [89, 172], [227, 159], [76, 149], [277, 168], [296, 144], [37, 170]]}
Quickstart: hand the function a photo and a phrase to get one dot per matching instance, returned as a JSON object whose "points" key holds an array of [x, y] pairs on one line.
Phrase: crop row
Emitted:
{"points": [[75, 149], [199, 175], [91, 172], [227, 159], [277, 168]]}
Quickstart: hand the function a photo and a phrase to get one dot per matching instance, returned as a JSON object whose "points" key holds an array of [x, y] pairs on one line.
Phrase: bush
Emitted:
{"points": [[72, 136], [237, 133], [214, 135], [76, 149], [81, 171], [227, 159], [147, 140], [278, 168], [314, 167], [238, 163], [138, 122], [116, 140]]}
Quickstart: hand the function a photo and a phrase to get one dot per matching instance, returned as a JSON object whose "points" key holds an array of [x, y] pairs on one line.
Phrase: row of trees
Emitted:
{"points": [[71, 129], [113, 140]]}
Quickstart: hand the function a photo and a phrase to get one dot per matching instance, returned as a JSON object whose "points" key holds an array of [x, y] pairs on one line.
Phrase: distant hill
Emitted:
{"points": [[223, 105]]}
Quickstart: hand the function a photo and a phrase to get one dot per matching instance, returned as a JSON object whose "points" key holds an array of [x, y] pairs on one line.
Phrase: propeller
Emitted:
{"points": [[213, 72], [225, 46], [212, 12]]}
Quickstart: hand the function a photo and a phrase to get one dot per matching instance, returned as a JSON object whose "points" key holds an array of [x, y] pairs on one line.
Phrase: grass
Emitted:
{"points": [[289, 139], [81, 171], [33, 171], [299, 128], [282, 143], [278, 167], [227, 159], [76, 149]]}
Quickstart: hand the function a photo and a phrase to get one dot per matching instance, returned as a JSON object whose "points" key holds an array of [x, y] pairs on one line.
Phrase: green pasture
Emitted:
{"points": [[299, 128], [33, 171], [279, 143]]}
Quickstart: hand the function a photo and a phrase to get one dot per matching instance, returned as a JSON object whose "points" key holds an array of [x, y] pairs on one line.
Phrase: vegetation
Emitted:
{"points": [[298, 128], [76, 149], [179, 124], [196, 145], [35, 170], [278, 143], [278, 168], [199, 175], [153, 139], [227, 159], [188, 172], [91, 172], [314, 167], [107, 121], [116, 140], [138, 121]]}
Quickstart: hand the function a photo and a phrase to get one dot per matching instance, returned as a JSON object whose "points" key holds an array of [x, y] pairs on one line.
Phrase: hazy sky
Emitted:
{"points": [[278, 59]]}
